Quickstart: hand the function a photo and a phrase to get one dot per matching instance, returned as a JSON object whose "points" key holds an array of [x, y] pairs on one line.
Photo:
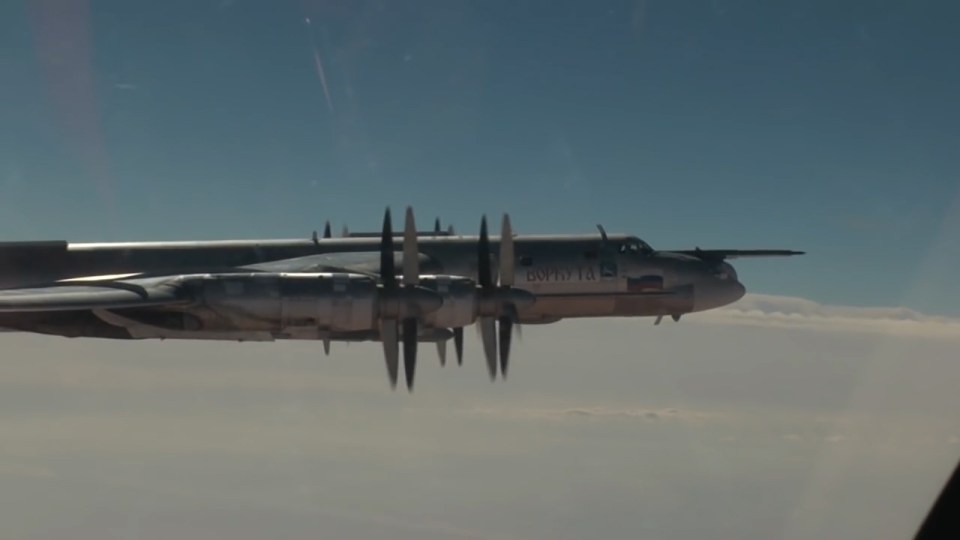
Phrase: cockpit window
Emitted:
{"points": [[635, 246]]}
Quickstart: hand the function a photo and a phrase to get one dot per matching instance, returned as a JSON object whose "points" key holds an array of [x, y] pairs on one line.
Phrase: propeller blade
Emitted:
{"points": [[489, 337], [505, 328], [387, 271], [442, 352], [326, 230], [391, 352], [506, 253], [484, 278], [458, 344], [411, 265], [515, 317], [410, 349], [450, 229], [326, 347], [436, 226], [344, 232]]}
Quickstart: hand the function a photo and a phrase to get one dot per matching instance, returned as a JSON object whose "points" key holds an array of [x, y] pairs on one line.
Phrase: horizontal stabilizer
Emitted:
{"points": [[738, 253]]}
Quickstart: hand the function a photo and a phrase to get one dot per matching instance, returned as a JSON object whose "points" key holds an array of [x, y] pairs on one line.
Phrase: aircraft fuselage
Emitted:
{"points": [[570, 275]]}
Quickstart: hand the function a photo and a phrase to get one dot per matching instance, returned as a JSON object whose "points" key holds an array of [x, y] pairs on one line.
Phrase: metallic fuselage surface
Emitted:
{"points": [[570, 275]]}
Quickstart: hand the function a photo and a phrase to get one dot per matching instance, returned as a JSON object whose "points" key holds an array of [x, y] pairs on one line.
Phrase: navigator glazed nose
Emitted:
{"points": [[712, 293]]}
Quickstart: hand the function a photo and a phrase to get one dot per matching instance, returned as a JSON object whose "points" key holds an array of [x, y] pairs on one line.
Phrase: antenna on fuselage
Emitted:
{"points": [[603, 233], [326, 234], [439, 231]]}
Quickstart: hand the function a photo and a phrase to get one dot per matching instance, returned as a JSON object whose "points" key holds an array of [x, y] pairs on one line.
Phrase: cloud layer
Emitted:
{"points": [[774, 418], [593, 412], [793, 312]]}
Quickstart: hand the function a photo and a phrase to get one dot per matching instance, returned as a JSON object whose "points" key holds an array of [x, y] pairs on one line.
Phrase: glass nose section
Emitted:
{"points": [[726, 271], [718, 286]]}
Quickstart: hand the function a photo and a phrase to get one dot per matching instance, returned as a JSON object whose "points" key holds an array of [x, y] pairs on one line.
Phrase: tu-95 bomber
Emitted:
{"points": [[400, 289]]}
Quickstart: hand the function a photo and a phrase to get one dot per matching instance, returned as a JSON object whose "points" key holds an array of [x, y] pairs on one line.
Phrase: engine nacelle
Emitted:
{"points": [[459, 301], [268, 301]]}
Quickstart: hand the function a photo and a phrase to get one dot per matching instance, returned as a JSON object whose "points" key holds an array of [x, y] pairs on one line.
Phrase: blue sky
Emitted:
{"points": [[823, 126]]}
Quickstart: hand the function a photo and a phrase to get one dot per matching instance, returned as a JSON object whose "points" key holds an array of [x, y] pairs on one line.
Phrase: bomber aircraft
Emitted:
{"points": [[357, 287]]}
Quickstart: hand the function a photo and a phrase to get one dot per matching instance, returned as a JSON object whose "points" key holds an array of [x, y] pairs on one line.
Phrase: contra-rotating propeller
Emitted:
{"points": [[499, 303], [402, 304]]}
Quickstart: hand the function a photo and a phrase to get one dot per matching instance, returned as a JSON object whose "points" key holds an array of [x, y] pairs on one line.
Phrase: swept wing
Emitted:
{"points": [[356, 262], [71, 296]]}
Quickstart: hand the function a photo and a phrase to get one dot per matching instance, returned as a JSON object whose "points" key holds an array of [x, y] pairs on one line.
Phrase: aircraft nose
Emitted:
{"points": [[717, 293], [737, 290]]}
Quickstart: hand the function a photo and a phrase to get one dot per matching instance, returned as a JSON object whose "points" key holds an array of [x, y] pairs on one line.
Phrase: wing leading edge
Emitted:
{"points": [[109, 295]]}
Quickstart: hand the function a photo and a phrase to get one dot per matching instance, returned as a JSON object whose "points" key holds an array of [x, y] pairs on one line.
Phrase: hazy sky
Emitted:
{"points": [[818, 125], [816, 422]]}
